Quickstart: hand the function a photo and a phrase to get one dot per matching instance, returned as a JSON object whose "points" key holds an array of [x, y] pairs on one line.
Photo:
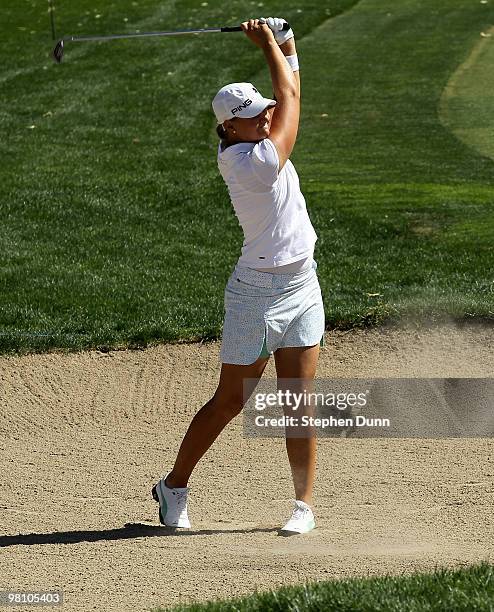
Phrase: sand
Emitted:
{"points": [[84, 436]]}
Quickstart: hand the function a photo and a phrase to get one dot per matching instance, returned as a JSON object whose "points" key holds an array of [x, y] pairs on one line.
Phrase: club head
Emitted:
{"points": [[58, 52]]}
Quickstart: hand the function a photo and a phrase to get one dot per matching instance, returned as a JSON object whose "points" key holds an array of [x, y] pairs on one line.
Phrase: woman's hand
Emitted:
{"points": [[259, 33], [276, 25]]}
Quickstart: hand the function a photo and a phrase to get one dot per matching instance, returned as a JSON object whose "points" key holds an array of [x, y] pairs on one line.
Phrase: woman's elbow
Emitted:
{"points": [[289, 93]]}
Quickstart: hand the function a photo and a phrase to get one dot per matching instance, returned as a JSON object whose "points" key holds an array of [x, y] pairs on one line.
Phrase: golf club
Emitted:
{"points": [[59, 48]]}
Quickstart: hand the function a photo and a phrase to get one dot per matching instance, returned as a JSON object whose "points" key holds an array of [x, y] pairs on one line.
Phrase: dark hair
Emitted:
{"points": [[220, 130]]}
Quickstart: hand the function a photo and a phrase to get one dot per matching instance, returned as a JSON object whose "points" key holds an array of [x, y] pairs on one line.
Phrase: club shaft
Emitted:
{"points": [[149, 34], [139, 35]]}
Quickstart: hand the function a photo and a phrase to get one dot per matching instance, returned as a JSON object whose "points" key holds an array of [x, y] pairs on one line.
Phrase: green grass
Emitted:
{"points": [[467, 104], [116, 227], [468, 589]]}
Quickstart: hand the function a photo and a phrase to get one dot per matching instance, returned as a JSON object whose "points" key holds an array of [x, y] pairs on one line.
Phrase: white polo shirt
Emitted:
{"points": [[268, 204]]}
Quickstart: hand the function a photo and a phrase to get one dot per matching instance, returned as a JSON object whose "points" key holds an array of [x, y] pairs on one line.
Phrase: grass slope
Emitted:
{"points": [[117, 229], [467, 104]]}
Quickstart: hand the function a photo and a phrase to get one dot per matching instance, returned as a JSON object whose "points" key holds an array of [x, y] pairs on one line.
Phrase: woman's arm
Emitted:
{"points": [[284, 126], [289, 48], [286, 87]]}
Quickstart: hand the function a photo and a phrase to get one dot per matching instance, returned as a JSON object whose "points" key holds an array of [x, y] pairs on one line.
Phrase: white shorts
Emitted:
{"points": [[265, 311]]}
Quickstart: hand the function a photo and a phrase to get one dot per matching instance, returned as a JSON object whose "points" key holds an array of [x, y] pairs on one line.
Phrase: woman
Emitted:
{"points": [[273, 301]]}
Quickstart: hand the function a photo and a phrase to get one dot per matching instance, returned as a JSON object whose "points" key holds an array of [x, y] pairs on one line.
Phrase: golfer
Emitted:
{"points": [[273, 302]]}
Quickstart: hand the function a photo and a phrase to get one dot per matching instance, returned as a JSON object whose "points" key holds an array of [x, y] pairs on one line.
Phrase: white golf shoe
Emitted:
{"points": [[302, 519], [173, 504]]}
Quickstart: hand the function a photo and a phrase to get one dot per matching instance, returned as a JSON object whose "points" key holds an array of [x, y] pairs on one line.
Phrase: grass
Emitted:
{"points": [[467, 103], [117, 229], [469, 589]]}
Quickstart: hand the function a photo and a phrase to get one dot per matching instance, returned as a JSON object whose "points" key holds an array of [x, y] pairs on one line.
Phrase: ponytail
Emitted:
{"points": [[220, 130]]}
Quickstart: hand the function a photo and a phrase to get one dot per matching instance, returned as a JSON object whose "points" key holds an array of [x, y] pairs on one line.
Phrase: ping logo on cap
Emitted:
{"points": [[238, 108]]}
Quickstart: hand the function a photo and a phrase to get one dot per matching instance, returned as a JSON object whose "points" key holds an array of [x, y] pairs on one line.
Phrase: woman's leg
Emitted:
{"points": [[299, 363], [211, 419]]}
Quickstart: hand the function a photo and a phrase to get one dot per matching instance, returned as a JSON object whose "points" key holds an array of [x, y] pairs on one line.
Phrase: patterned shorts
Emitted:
{"points": [[265, 312]]}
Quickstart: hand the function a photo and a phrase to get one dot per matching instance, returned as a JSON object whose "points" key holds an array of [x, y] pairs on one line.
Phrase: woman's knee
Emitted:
{"points": [[228, 403]]}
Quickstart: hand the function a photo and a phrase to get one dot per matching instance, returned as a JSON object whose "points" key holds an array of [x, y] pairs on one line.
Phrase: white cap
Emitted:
{"points": [[239, 100]]}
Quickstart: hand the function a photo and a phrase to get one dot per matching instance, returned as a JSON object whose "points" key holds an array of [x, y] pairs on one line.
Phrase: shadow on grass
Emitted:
{"points": [[129, 531]]}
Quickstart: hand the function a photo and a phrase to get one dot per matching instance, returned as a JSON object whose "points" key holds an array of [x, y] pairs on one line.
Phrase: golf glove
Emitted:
{"points": [[275, 25]]}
